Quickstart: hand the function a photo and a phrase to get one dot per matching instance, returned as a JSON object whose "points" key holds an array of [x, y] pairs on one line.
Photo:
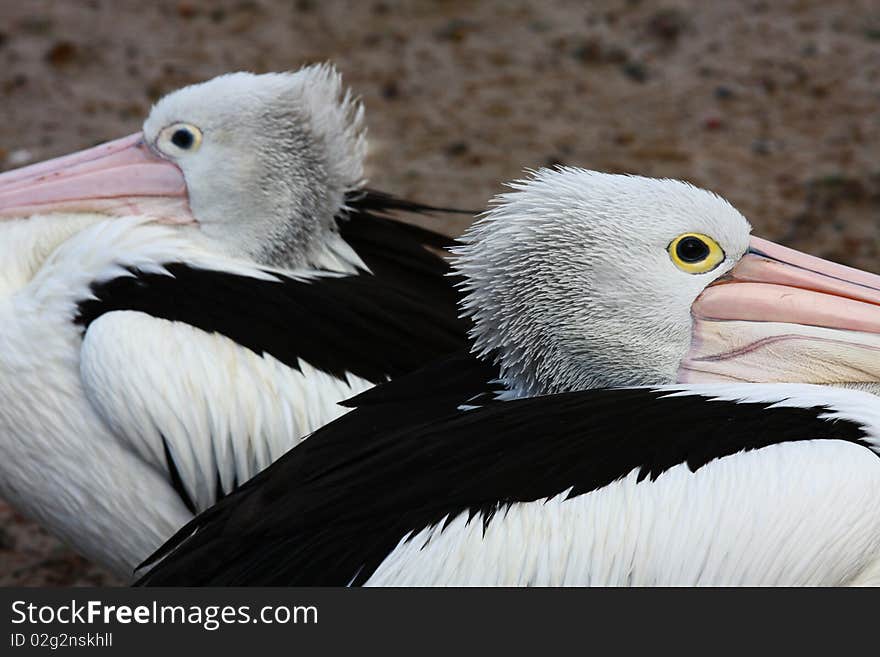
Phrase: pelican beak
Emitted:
{"points": [[783, 316], [121, 177]]}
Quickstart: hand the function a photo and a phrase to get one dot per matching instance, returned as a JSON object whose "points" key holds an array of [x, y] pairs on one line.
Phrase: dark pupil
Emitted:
{"points": [[692, 249], [182, 138]]}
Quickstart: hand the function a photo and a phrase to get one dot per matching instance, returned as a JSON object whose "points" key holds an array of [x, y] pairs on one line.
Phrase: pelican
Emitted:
{"points": [[577, 279], [182, 306]]}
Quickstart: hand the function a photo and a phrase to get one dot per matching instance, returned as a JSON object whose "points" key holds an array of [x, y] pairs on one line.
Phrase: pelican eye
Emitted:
{"points": [[695, 253], [178, 139], [182, 138]]}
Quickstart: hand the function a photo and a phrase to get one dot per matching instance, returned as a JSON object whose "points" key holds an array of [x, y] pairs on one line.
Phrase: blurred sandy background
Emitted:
{"points": [[773, 104]]}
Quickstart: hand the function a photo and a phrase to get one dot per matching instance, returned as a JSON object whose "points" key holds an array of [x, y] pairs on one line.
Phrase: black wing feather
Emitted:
{"points": [[434, 391], [339, 324], [332, 509], [400, 253]]}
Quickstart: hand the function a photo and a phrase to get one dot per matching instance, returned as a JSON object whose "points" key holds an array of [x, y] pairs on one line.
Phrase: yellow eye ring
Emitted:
{"points": [[179, 138], [695, 253]]}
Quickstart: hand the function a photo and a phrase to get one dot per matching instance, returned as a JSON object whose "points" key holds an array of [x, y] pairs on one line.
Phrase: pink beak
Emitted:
{"points": [[121, 177], [783, 316]]}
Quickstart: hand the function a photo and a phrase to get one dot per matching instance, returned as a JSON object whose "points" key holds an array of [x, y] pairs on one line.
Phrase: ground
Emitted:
{"points": [[774, 105]]}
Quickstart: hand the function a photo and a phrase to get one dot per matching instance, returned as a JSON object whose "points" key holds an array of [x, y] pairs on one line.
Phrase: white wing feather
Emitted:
{"points": [[224, 411], [792, 514]]}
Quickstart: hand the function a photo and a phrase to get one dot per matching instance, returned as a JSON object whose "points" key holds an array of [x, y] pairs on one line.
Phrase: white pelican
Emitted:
{"points": [[180, 307], [577, 279]]}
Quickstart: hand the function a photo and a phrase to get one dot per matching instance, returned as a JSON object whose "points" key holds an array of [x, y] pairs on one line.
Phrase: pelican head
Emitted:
{"points": [[577, 279], [259, 164]]}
